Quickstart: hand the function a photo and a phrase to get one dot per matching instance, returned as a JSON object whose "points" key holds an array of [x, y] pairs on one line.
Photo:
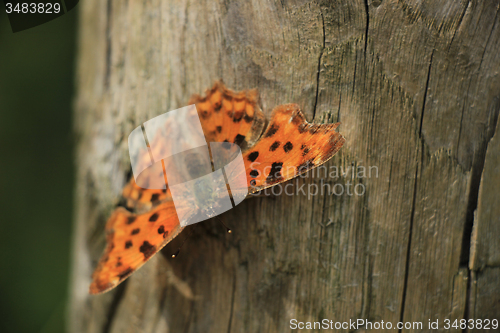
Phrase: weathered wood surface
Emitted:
{"points": [[416, 86]]}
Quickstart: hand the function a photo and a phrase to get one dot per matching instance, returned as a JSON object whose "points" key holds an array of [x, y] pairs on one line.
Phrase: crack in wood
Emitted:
{"points": [[232, 304], [319, 65], [459, 24], [477, 172], [408, 251], [425, 96], [472, 204], [489, 37]]}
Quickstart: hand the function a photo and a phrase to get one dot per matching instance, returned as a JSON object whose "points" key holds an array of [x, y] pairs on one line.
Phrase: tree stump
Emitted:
{"points": [[416, 86]]}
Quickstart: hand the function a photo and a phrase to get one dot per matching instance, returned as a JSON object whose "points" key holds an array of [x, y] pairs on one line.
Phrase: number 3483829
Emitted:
{"points": [[484, 324], [33, 8]]}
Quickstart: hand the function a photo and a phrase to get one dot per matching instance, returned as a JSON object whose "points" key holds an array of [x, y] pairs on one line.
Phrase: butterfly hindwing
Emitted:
{"points": [[289, 147], [131, 240]]}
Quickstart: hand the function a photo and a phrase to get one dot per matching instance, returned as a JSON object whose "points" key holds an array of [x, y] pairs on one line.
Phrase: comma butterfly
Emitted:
{"points": [[287, 147]]}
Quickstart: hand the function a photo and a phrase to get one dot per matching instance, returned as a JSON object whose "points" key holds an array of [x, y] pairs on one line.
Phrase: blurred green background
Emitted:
{"points": [[36, 181]]}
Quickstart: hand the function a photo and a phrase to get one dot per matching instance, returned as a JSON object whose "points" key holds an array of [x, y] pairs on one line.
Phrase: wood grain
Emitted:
{"points": [[416, 86]]}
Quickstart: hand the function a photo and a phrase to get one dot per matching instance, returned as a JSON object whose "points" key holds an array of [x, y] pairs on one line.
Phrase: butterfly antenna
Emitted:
{"points": [[176, 253], [225, 226]]}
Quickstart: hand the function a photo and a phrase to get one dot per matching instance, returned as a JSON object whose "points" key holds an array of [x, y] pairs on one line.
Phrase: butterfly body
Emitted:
{"points": [[287, 147], [207, 199]]}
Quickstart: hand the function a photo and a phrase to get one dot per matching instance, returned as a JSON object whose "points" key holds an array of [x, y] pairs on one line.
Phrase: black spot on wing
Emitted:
{"points": [[135, 231], [131, 219], [254, 173], [274, 146], [153, 217], [253, 156], [147, 249], [239, 139], [304, 153], [161, 229], [155, 197], [275, 173], [271, 131], [204, 114], [125, 273], [247, 118], [128, 244], [218, 129], [287, 147]]}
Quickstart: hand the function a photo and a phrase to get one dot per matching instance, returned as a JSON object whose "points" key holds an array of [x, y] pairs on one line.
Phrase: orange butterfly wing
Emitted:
{"points": [[228, 116], [288, 147], [131, 240]]}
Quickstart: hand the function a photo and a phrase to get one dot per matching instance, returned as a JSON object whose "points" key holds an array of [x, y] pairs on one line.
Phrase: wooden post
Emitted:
{"points": [[416, 86]]}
